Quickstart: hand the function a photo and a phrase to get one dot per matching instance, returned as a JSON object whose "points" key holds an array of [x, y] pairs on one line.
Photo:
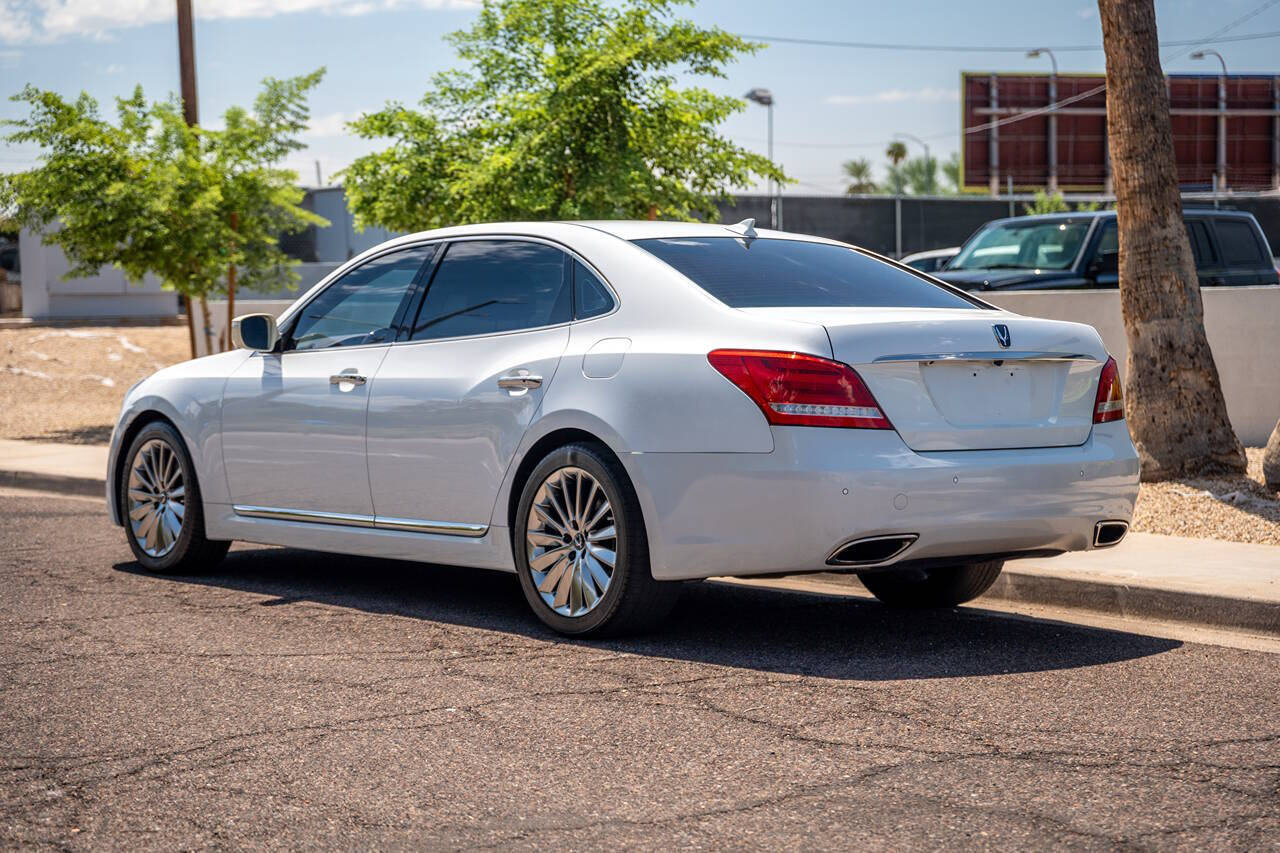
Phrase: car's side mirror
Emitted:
{"points": [[255, 332]]}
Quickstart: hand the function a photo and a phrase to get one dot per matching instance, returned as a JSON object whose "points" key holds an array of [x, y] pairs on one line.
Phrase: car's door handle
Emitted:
{"points": [[353, 378], [519, 381]]}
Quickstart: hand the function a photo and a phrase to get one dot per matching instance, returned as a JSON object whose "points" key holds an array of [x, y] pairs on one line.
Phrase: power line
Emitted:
{"points": [[947, 48]]}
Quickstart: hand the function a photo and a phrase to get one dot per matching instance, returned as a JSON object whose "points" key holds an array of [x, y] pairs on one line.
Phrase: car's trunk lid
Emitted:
{"points": [[953, 379]]}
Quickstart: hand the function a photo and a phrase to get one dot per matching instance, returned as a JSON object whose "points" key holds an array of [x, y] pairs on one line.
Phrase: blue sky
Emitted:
{"points": [[832, 103]]}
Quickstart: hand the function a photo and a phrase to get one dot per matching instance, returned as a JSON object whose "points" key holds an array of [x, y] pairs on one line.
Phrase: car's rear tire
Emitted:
{"points": [[940, 587], [161, 506], [577, 511]]}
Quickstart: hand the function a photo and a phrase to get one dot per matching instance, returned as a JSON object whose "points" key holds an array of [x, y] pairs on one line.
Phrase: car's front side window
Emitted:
{"points": [[483, 287], [361, 307]]}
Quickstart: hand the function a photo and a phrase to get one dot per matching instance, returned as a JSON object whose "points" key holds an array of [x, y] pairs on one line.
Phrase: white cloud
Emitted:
{"points": [[1086, 12], [893, 96], [52, 20], [333, 124]]}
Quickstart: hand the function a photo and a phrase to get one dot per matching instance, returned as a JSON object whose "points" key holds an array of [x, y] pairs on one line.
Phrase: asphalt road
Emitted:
{"points": [[295, 699]]}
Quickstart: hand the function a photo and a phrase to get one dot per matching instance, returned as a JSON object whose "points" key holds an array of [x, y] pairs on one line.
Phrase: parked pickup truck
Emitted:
{"points": [[1063, 251]]}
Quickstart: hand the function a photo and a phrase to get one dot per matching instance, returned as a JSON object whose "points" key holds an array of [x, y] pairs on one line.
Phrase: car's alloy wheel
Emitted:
{"points": [[571, 542], [160, 500], [156, 498], [581, 550]]}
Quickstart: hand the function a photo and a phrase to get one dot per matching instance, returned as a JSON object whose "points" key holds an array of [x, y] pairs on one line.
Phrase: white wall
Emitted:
{"points": [[107, 294], [1243, 325]]}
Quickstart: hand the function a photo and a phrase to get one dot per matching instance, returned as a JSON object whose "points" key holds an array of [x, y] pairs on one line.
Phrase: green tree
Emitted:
{"points": [[150, 195], [859, 176], [951, 171], [920, 176], [570, 109], [896, 152], [1045, 203]]}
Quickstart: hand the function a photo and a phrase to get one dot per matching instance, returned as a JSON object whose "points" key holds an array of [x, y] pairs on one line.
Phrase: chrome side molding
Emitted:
{"points": [[995, 355], [415, 525], [315, 516], [339, 519]]}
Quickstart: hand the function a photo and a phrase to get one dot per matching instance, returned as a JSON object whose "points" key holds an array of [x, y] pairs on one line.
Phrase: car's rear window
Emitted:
{"points": [[768, 273]]}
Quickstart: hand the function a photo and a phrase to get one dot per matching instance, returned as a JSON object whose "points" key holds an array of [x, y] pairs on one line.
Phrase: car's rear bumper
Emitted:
{"points": [[755, 513]]}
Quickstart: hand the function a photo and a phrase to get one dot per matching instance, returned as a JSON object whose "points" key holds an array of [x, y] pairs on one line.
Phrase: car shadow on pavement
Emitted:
{"points": [[828, 636]]}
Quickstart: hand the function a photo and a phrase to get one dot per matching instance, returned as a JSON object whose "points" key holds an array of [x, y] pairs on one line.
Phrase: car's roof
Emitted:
{"points": [[622, 229], [1089, 215], [638, 229]]}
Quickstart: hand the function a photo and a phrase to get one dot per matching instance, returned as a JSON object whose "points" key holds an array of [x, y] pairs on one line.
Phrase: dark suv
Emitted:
{"points": [[1062, 251]]}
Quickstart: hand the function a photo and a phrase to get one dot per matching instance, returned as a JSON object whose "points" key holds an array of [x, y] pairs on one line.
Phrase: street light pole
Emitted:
{"points": [[1053, 115], [928, 162], [764, 98], [1222, 116]]}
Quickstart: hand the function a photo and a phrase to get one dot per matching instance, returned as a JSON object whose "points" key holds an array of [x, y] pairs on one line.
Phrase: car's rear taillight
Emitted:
{"points": [[1109, 404], [793, 389]]}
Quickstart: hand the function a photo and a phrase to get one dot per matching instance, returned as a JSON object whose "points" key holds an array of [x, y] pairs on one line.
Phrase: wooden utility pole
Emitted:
{"points": [[187, 63], [190, 111]]}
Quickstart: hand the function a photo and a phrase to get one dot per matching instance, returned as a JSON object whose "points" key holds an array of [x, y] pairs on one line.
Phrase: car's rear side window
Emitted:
{"points": [[768, 273], [1239, 245]]}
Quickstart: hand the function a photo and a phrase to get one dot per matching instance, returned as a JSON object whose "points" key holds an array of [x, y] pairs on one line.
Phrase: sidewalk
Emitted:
{"points": [[1170, 578], [78, 469]]}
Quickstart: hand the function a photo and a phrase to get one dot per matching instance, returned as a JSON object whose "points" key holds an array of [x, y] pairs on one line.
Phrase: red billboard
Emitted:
{"points": [[1238, 137]]}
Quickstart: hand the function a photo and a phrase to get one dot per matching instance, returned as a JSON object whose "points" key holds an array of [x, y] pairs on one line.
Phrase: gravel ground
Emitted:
{"points": [[1238, 509], [66, 385]]}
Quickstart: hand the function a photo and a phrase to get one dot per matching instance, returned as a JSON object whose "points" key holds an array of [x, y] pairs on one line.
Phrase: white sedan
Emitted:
{"points": [[610, 408]]}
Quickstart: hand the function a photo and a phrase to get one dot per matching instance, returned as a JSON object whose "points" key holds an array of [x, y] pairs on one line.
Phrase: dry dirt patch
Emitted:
{"points": [[66, 384]]}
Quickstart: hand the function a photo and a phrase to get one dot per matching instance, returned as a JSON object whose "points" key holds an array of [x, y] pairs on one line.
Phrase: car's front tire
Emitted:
{"points": [[581, 550], [161, 506], [939, 587]]}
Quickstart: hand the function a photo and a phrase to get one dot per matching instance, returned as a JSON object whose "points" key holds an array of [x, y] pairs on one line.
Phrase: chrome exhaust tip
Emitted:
{"points": [[872, 550], [1108, 533]]}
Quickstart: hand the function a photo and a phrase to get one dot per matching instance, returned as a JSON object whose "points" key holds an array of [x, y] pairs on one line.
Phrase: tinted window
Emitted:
{"points": [[488, 286], [360, 307], [1239, 246], [1201, 245], [773, 273], [1108, 241], [591, 297]]}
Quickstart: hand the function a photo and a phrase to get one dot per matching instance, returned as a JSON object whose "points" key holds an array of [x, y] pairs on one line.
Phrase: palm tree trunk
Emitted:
{"points": [[1271, 460], [1173, 400]]}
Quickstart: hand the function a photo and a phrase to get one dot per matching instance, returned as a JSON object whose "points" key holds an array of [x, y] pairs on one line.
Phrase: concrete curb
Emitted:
{"points": [[84, 486], [1112, 599], [1165, 605]]}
